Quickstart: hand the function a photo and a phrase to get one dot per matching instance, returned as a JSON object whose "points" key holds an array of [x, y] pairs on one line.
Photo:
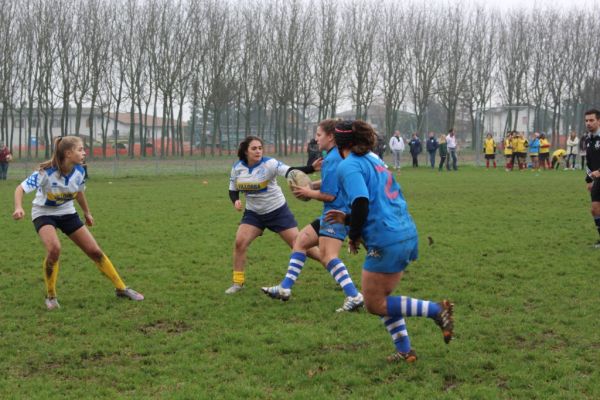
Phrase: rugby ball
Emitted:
{"points": [[298, 178]]}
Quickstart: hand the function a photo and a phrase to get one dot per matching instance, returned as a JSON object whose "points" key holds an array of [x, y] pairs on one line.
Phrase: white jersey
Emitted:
{"points": [[259, 184], [55, 192]]}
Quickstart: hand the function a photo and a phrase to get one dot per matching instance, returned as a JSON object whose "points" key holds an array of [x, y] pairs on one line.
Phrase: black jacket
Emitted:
{"points": [[415, 146], [592, 154], [432, 145]]}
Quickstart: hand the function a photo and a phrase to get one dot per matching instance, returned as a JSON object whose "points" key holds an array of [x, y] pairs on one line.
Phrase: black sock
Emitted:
{"points": [[597, 221]]}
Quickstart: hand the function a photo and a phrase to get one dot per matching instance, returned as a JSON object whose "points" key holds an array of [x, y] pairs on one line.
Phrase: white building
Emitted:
{"points": [[123, 126]]}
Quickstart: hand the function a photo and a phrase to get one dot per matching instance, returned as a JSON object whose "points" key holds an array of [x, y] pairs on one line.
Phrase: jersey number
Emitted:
{"points": [[388, 184]]}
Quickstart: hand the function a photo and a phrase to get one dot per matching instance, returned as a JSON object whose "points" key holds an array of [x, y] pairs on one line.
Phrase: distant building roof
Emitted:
{"points": [[125, 118]]}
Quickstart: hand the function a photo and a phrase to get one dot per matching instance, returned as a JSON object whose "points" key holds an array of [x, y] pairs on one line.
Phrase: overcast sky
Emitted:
{"points": [[529, 4]]}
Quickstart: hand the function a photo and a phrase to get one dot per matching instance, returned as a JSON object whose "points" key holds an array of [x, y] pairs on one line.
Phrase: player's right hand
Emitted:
{"points": [[335, 216], [18, 214]]}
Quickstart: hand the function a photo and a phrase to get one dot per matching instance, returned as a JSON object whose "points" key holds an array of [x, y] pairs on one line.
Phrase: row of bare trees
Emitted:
{"points": [[266, 67]]}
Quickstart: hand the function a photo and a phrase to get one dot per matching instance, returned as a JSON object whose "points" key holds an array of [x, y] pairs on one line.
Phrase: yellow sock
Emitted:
{"points": [[108, 269], [50, 276], [238, 277]]}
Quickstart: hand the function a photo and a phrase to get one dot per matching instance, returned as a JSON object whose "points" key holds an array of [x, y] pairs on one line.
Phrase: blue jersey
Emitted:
{"points": [[534, 146], [388, 221], [329, 181]]}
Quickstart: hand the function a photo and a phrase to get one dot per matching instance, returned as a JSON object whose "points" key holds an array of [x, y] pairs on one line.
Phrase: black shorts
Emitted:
{"points": [[316, 225], [544, 156], [595, 193], [66, 223], [490, 156], [277, 220], [521, 155]]}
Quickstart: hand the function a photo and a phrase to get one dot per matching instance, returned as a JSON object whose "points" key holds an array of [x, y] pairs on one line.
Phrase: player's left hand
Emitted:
{"points": [[317, 164], [335, 216], [300, 192], [89, 220]]}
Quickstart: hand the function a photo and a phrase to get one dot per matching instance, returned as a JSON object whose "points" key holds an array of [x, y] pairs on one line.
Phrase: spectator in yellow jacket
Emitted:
{"points": [[489, 149], [544, 152], [521, 150]]}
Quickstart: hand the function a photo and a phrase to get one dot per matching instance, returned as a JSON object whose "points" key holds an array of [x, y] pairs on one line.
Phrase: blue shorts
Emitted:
{"points": [[278, 220], [393, 258], [336, 231], [66, 223]]}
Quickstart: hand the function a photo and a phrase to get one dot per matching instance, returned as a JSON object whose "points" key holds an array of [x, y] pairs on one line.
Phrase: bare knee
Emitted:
{"points": [[304, 241], [595, 209], [375, 305], [95, 253], [241, 245], [53, 253]]}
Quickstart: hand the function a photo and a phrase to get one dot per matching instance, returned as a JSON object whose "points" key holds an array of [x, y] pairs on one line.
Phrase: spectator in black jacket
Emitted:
{"points": [[415, 149], [432, 146], [313, 151]]}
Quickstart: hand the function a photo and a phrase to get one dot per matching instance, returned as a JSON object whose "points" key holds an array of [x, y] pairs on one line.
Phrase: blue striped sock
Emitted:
{"points": [[399, 306], [338, 270], [396, 327], [294, 268]]}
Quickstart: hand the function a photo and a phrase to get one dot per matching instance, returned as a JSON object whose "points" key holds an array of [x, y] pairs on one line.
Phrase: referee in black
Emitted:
{"points": [[592, 124]]}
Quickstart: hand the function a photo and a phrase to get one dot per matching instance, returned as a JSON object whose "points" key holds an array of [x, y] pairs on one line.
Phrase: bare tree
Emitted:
{"points": [[393, 58], [514, 59], [455, 70], [426, 47], [483, 45], [364, 72], [330, 46]]}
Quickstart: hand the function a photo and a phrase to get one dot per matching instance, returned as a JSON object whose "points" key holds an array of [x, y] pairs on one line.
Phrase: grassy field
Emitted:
{"points": [[512, 250]]}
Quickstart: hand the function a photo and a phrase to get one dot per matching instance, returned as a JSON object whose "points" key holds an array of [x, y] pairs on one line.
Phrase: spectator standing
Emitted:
{"points": [[544, 152], [397, 147], [572, 150], [583, 142], [534, 151], [451, 142], [415, 149], [432, 146], [5, 158], [380, 150], [312, 149], [508, 151], [521, 150], [443, 148], [489, 149]]}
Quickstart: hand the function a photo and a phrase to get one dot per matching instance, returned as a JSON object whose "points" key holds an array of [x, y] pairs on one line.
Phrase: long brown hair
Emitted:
{"points": [[243, 147], [62, 144], [359, 136]]}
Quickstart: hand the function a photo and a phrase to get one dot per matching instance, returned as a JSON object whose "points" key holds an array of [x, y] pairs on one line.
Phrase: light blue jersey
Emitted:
{"points": [[329, 181], [388, 221]]}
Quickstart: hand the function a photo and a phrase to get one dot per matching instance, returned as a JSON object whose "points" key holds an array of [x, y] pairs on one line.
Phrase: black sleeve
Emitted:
{"points": [[234, 195], [308, 169], [360, 210]]}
